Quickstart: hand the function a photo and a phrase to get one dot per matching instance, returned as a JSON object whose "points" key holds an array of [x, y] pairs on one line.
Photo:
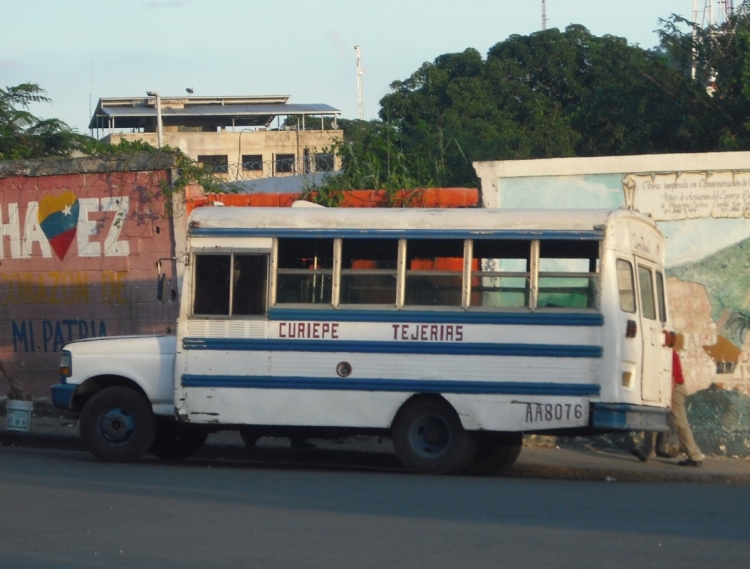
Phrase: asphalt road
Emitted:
{"points": [[64, 510]]}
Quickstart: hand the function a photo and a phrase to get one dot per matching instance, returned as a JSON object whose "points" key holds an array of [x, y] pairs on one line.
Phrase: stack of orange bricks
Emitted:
{"points": [[430, 197]]}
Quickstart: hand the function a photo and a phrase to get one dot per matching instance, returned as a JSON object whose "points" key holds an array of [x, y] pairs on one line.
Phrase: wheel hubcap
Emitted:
{"points": [[116, 426], [429, 436]]}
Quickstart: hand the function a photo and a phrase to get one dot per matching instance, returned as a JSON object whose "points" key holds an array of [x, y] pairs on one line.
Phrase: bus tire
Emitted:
{"points": [[495, 454], [176, 441], [117, 425], [429, 439]]}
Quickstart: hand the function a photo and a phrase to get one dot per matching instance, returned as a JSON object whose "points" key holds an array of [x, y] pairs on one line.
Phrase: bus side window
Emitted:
{"points": [[646, 287], [500, 273], [434, 272], [211, 285], [304, 271], [625, 285], [368, 271], [249, 285], [568, 274]]}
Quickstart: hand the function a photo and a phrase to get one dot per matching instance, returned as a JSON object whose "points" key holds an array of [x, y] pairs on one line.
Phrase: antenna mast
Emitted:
{"points": [[359, 83], [544, 15], [714, 14]]}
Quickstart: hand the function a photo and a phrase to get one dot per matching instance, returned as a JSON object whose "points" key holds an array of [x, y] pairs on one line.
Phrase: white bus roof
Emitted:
{"points": [[397, 219]]}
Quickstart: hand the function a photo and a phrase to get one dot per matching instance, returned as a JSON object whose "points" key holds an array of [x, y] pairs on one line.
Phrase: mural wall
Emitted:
{"points": [[701, 202], [79, 246]]}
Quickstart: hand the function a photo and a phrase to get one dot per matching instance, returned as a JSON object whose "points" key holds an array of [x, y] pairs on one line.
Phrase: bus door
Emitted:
{"points": [[651, 331]]}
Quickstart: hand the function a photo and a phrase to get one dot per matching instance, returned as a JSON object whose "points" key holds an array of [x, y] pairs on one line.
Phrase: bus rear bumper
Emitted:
{"points": [[626, 417]]}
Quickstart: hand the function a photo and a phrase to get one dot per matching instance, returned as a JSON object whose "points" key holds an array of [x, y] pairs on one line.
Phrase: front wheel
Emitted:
{"points": [[428, 437], [117, 425]]}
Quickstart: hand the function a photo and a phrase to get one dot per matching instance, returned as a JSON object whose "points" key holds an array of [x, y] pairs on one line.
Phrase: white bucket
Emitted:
{"points": [[19, 415]]}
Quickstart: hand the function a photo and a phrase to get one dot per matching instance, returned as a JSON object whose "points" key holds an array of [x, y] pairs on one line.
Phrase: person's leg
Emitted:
{"points": [[643, 451], [683, 427]]}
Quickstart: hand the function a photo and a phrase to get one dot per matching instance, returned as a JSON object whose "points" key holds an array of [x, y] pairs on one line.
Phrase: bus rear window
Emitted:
{"points": [[626, 286]]}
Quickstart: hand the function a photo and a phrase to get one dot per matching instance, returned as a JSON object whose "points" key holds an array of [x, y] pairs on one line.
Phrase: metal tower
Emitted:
{"points": [[359, 83], [544, 15], [711, 14]]}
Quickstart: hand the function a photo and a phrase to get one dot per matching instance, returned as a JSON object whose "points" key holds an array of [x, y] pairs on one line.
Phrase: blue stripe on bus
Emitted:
{"points": [[405, 347], [579, 235], [392, 385], [443, 317]]}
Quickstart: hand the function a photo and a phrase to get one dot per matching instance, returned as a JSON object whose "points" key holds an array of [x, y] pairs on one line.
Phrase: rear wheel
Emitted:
{"points": [[177, 441], [429, 439], [496, 453], [117, 425]]}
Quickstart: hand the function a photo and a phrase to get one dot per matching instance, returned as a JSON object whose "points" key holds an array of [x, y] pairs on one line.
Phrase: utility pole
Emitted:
{"points": [[359, 83], [544, 15]]}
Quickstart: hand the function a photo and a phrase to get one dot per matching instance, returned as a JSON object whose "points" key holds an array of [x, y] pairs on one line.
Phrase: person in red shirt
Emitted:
{"points": [[679, 395], [679, 420]]}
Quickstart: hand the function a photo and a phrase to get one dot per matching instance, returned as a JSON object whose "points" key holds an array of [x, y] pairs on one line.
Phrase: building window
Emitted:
{"points": [[216, 163], [284, 163], [252, 162], [324, 162]]}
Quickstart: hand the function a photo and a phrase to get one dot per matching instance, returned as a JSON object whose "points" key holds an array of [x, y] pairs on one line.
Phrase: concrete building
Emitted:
{"points": [[240, 138]]}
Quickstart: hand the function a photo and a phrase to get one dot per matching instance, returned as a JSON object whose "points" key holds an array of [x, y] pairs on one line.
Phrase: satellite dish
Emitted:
{"points": [[189, 90]]}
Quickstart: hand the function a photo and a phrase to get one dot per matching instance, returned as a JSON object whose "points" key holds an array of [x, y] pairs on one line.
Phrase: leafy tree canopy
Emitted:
{"points": [[559, 94], [24, 136]]}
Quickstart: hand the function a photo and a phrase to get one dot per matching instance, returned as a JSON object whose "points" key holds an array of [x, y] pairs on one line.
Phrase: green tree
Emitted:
{"points": [[23, 135], [549, 94]]}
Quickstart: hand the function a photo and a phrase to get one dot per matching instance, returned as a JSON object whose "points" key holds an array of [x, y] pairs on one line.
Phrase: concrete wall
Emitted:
{"points": [[79, 244]]}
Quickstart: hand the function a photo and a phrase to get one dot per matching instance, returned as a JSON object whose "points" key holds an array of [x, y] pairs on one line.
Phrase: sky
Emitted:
{"points": [[83, 50]]}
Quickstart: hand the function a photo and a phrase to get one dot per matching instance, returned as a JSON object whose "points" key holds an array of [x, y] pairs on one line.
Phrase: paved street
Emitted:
{"points": [[63, 509]]}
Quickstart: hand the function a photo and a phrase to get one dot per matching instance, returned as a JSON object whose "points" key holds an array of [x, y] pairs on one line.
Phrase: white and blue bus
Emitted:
{"points": [[453, 332]]}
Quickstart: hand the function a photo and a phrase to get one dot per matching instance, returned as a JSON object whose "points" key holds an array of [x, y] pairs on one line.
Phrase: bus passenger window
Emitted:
{"points": [[568, 274], [249, 285], [434, 272], [500, 273], [646, 286], [626, 286], [304, 271], [368, 271], [211, 285]]}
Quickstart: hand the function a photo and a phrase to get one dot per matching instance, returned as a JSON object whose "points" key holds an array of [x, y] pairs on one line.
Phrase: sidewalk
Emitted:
{"points": [[57, 429]]}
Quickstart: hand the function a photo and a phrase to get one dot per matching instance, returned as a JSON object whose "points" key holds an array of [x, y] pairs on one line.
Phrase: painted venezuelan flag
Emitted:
{"points": [[58, 218]]}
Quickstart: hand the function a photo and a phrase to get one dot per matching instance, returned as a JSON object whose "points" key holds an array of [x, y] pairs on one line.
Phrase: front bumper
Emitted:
{"points": [[62, 395]]}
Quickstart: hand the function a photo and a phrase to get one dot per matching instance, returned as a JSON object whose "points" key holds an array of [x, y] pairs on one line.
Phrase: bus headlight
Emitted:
{"points": [[66, 364]]}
